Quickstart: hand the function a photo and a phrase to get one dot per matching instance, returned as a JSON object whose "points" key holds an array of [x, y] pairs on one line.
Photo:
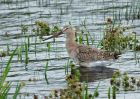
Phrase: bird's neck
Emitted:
{"points": [[70, 44], [70, 39]]}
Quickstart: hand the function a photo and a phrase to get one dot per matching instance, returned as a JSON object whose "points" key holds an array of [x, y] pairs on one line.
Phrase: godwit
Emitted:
{"points": [[82, 54]]}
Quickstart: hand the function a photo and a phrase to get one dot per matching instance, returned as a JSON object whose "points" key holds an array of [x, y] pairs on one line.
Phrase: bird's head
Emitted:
{"points": [[68, 30]]}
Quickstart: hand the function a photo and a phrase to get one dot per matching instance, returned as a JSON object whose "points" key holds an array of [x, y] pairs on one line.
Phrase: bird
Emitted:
{"points": [[82, 54]]}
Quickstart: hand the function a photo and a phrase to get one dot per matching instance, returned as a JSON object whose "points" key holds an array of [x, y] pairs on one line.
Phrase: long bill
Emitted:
{"points": [[53, 36]]}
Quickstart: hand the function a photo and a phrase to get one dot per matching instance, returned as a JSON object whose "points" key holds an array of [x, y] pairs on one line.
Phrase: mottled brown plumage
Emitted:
{"points": [[82, 54]]}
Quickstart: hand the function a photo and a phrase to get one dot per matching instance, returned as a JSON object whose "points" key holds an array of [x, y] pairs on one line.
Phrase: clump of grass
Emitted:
{"points": [[125, 82], [114, 39], [43, 29]]}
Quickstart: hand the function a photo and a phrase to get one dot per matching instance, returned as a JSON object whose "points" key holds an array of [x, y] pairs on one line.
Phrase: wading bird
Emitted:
{"points": [[82, 54]]}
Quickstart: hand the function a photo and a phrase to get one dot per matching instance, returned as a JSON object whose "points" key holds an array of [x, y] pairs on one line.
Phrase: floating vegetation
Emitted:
{"points": [[114, 39], [125, 82]]}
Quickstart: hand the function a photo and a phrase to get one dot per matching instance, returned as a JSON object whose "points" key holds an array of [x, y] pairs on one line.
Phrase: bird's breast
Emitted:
{"points": [[72, 50]]}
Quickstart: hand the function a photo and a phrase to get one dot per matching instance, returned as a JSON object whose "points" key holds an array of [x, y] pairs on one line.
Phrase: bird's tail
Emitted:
{"points": [[103, 55]]}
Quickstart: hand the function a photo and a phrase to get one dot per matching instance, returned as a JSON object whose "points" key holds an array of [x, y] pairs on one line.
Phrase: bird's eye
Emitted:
{"points": [[67, 28]]}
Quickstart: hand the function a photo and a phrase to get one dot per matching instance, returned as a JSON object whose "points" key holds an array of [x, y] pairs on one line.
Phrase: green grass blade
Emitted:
{"points": [[26, 53], [18, 87], [5, 73], [109, 96], [96, 93], [46, 69], [4, 91]]}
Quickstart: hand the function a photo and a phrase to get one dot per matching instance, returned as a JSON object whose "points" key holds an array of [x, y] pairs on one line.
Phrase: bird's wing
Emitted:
{"points": [[86, 53]]}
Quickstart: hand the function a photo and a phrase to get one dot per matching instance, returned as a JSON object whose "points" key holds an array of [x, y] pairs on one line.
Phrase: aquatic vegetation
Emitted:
{"points": [[5, 86], [123, 81], [26, 54], [42, 28], [114, 39], [55, 29], [24, 29], [46, 69], [84, 36], [19, 51], [48, 49], [3, 53], [66, 67], [18, 87], [137, 48], [75, 89], [89, 37]]}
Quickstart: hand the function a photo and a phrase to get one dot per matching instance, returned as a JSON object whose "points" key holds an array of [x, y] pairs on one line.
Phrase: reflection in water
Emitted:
{"points": [[91, 74]]}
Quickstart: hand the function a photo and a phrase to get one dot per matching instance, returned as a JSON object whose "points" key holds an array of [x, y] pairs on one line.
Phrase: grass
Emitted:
{"points": [[18, 87], [46, 69], [5, 86], [48, 49], [109, 92], [26, 54], [114, 39], [20, 53], [66, 67], [6, 71], [89, 39]]}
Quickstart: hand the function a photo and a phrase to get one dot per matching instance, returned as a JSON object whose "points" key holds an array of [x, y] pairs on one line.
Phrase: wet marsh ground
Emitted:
{"points": [[28, 65]]}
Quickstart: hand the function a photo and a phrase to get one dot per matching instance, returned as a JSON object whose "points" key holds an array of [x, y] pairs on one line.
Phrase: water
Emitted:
{"points": [[61, 12]]}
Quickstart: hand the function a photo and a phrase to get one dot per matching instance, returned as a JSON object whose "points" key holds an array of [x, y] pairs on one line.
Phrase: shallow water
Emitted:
{"points": [[61, 12]]}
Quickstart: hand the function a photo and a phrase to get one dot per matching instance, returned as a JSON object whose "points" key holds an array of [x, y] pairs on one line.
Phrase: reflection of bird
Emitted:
{"points": [[82, 54]]}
